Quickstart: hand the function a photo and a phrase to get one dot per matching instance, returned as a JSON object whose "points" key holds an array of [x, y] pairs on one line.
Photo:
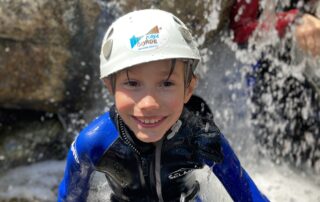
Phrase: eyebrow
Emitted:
{"points": [[168, 72]]}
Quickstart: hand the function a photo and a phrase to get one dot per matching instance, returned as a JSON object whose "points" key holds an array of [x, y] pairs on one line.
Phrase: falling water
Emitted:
{"points": [[223, 85]]}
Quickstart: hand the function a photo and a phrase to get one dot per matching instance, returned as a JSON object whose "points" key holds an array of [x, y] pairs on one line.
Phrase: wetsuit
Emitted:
{"points": [[138, 171]]}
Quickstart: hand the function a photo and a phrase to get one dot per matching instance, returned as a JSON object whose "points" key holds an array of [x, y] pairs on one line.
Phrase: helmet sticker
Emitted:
{"points": [[153, 39]]}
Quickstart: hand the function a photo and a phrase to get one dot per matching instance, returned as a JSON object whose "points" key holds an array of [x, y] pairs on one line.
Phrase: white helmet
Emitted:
{"points": [[144, 36]]}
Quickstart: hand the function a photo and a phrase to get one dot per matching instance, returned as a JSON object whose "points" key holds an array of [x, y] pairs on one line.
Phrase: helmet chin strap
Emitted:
{"points": [[174, 129]]}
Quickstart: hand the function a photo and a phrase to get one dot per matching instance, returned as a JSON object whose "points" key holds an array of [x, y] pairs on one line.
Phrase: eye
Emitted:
{"points": [[132, 84], [167, 83]]}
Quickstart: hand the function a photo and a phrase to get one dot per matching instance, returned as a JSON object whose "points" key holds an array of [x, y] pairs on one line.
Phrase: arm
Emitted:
{"points": [[244, 19], [75, 184], [85, 152], [234, 178], [308, 34]]}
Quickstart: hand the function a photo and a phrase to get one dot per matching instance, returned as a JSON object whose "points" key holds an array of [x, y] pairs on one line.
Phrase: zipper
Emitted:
{"points": [[124, 136], [143, 163], [158, 169]]}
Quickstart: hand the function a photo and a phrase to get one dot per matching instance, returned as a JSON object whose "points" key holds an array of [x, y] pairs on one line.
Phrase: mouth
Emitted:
{"points": [[149, 122]]}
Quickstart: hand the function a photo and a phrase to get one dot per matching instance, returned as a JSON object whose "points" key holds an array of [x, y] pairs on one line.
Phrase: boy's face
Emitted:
{"points": [[147, 101]]}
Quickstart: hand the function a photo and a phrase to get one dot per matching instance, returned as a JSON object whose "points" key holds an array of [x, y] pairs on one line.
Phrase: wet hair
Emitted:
{"points": [[188, 73]]}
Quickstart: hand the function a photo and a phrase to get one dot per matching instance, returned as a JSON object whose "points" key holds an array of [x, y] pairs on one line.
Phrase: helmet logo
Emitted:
{"points": [[149, 41]]}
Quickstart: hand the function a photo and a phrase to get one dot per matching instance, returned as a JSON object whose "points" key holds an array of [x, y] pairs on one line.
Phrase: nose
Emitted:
{"points": [[149, 102]]}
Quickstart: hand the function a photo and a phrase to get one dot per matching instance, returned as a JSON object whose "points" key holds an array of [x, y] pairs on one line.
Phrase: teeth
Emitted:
{"points": [[147, 121]]}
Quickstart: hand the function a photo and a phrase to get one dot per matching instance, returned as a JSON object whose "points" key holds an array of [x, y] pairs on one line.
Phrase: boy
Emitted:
{"points": [[148, 143]]}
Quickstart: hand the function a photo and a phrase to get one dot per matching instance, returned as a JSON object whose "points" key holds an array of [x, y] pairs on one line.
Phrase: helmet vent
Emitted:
{"points": [[185, 34], [106, 49]]}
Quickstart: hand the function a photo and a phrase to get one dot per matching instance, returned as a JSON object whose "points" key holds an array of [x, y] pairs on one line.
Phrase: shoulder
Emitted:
{"points": [[198, 117], [204, 135], [96, 138]]}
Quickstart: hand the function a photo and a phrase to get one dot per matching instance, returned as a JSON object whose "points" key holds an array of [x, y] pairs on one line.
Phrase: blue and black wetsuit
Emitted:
{"points": [[138, 171]]}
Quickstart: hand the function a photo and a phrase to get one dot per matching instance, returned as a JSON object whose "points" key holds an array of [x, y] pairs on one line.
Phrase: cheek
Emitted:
{"points": [[123, 101], [175, 101]]}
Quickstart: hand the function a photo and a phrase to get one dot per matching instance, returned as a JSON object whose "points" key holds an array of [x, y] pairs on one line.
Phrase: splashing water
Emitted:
{"points": [[285, 100]]}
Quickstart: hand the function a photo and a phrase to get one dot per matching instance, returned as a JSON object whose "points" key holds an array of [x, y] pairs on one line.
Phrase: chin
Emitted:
{"points": [[149, 139]]}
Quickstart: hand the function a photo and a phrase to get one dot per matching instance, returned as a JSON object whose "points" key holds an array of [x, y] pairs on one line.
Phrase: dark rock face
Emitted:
{"points": [[44, 46], [28, 137], [48, 55]]}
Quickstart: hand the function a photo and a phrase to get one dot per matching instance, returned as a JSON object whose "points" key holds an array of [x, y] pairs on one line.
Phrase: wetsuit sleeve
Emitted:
{"points": [[85, 152], [244, 19], [235, 179], [75, 184]]}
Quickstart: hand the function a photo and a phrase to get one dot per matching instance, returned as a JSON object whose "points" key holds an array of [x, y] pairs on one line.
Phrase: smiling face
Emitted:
{"points": [[148, 101]]}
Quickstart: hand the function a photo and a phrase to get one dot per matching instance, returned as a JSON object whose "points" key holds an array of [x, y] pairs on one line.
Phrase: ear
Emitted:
{"points": [[189, 90], [108, 85]]}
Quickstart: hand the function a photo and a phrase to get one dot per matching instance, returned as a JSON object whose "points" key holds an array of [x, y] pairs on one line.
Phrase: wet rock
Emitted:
{"points": [[44, 50], [29, 138], [30, 80]]}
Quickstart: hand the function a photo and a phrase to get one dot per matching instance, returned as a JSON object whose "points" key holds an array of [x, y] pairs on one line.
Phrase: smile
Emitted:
{"points": [[148, 122]]}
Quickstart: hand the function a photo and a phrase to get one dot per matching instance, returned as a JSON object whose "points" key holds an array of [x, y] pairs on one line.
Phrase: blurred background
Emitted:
{"points": [[50, 89]]}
